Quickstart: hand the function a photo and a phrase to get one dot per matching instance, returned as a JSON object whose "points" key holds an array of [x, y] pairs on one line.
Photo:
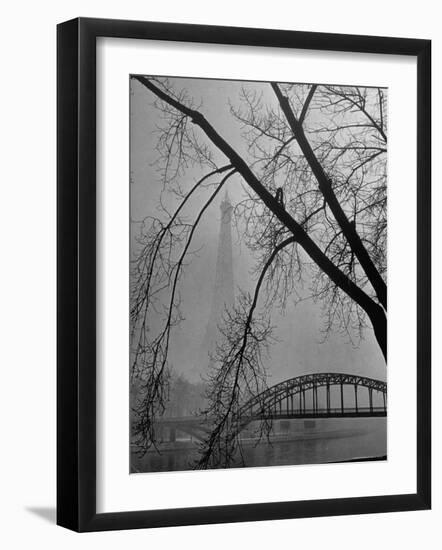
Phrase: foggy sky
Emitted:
{"points": [[299, 349]]}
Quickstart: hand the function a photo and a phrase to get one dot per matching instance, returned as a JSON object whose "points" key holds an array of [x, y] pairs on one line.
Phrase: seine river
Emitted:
{"points": [[295, 442]]}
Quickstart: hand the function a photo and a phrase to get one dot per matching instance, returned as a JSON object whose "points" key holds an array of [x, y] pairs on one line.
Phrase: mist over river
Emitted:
{"points": [[292, 442]]}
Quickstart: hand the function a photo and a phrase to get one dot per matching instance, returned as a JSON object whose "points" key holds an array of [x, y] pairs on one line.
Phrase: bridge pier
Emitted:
{"points": [[370, 398], [284, 426], [159, 433], [342, 398], [356, 398], [172, 434]]}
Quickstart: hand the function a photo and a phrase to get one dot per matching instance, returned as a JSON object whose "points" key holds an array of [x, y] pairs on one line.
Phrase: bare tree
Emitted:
{"points": [[315, 205]]}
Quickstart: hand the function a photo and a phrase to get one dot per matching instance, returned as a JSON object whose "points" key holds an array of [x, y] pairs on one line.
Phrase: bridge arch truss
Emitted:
{"points": [[279, 400]]}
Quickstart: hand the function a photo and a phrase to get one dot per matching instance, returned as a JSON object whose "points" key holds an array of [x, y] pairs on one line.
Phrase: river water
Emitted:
{"points": [[293, 442]]}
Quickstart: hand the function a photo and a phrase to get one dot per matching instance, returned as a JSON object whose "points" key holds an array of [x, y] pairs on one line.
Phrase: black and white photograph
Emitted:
{"points": [[258, 273]]}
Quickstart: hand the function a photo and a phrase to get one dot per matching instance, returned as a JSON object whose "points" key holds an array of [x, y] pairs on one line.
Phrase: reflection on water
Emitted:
{"points": [[293, 442]]}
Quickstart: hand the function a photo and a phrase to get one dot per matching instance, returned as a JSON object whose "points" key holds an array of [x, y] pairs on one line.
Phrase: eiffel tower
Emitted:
{"points": [[223, 290]]}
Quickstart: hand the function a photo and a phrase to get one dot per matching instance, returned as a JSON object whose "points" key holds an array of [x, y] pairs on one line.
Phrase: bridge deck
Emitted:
{"points": [[336, 412]]}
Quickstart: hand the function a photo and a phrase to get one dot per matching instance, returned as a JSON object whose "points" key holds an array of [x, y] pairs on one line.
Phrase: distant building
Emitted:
{"points": [[223, 288]]}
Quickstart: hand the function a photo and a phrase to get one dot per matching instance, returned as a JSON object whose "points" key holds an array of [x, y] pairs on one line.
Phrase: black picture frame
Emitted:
{"points": [[77, 287]]}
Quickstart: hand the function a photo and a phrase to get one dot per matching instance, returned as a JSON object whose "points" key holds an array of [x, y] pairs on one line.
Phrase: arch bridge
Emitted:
{"points": [[288, 400]]}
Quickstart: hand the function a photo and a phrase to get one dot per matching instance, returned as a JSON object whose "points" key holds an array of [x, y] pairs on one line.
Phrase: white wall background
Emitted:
{"points": [[27, 277]]}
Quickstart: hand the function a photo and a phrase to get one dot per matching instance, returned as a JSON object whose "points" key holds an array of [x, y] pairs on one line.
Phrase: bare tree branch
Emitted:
{"points": [[375, 312], [325, 185]]}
